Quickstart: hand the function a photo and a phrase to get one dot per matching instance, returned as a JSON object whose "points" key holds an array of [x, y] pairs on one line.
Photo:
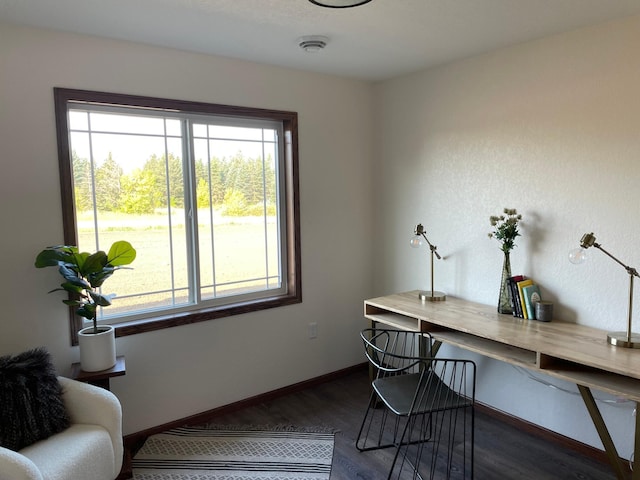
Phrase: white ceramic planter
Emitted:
{"points": [[97, 351]]}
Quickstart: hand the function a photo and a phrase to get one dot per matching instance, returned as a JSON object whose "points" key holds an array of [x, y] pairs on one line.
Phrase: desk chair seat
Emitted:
{"points": [[420, 405]]}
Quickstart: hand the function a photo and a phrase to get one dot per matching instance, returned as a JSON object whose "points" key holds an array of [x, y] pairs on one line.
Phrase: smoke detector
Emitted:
{"points": [[313, 43]]}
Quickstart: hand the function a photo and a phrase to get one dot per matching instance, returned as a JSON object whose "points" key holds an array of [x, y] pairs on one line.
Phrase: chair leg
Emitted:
{"points": [[402, 461], [359, 438], [447, 452], [374, 426]]}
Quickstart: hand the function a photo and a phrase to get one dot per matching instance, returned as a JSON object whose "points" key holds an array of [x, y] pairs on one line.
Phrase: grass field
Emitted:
{"points": [[162, 266]]}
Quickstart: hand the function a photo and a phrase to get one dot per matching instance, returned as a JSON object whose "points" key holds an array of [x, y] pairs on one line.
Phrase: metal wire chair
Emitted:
{"points": [[422, 406]]}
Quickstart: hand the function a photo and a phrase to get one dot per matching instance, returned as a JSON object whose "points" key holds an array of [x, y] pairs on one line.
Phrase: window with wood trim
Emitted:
{"points": [[207, 194]]}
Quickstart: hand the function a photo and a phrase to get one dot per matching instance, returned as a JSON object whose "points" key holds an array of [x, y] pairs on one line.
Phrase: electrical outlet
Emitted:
{"points": [[313, 330]]}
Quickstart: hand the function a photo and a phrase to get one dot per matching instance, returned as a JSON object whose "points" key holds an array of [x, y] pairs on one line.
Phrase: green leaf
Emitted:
{"points": [[77, 261], [52, 256], [102, 300], [72, 303], [72, 277], [87, 311], [74, 287], [93, 263], [121, 253], [97, 279]]}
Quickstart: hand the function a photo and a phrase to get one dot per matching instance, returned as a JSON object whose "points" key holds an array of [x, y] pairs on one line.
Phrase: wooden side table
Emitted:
{"points": [[101, 378]]}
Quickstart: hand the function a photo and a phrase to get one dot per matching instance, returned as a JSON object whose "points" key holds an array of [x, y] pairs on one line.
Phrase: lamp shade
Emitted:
{"points": [[416, 241], [339, 3]]}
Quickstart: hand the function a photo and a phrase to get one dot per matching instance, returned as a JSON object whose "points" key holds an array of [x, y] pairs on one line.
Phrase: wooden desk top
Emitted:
{"points": [[567, 350]]}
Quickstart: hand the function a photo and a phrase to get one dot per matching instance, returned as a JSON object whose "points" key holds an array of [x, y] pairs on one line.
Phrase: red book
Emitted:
{"points": [[516, 307]]}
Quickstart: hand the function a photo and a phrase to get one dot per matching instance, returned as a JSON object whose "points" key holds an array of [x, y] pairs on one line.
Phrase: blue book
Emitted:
{"points": [[532, 296]]}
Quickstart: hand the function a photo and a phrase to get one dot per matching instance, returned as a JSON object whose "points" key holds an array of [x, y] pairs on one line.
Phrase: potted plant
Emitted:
{"points": [[84, 274]]}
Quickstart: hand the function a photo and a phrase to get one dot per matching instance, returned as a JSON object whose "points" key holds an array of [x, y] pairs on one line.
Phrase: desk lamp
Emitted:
{"points": [[619, 339], [416, 242]]}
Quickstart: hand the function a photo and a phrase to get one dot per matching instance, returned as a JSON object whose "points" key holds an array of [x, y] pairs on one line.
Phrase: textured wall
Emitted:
{"points": [[550, 128]]}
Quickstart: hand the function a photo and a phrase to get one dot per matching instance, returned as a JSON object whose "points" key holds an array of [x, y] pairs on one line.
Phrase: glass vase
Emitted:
{"points": [[504, 302]]}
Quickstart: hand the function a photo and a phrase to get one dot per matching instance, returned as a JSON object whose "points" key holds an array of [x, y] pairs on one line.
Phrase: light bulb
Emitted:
{"points": [[416, 241], [577, 255]]}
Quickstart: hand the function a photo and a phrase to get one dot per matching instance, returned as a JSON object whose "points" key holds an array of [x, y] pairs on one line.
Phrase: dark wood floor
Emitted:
{"points": [[502, 451]]}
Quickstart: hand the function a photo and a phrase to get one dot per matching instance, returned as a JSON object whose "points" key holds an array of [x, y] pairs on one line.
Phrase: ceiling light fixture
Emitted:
{"points": [[339, 3], [313, 43]]}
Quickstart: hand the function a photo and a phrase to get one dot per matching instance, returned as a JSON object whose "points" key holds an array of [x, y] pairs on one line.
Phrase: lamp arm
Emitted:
{"points": [[432, 247], [624, 339], [630, 270]]}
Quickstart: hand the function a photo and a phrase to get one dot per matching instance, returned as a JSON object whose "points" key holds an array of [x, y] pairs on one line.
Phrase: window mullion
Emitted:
{"points": [[169, 194], [93, 181], [191, 211], [92, 163], [281, 200], [265, 212], [212, 229]]}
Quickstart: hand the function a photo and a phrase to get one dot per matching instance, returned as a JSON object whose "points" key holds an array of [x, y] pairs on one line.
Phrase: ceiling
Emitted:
{"points": [[373, 42]]}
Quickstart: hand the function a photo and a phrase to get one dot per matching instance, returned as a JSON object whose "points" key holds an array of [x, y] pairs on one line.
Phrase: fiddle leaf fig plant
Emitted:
{"points": [[84, 274]]}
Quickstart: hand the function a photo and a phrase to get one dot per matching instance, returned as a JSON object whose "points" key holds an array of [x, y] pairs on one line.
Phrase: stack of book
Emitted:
{"points": [[524, 294]]}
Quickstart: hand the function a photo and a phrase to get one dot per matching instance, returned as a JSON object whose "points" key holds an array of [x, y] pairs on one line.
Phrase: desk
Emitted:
{"points": [[576, 353]]}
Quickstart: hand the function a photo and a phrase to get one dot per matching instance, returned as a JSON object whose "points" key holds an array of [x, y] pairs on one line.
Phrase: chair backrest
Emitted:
{"points": [[439, 383], [395, 351], [446, 383]]}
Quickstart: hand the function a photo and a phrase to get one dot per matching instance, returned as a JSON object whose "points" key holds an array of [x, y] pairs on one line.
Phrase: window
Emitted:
{"points": [[207, 194]]}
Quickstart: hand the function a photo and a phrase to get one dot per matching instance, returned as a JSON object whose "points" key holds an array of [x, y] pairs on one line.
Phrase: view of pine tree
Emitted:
{"points": [[239, 184], [83, 189], [234, 176], [235, 204], [107, 181], [203, 193], [138, 193], [254, 189], [158, 170], [216, 172]]}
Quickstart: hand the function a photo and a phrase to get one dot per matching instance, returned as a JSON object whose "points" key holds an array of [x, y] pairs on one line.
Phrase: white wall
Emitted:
{"points": [[548, 127], [178, 372], [551, 128]]}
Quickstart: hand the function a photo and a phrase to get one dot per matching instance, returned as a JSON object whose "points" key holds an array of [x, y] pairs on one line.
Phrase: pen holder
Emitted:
{"points": [[544, 311]]}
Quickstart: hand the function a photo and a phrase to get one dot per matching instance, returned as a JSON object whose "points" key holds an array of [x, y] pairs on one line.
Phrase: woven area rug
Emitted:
{"points": [[224, 453]]}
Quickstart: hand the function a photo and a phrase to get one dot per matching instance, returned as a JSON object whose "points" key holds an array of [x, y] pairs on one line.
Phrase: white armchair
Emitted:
{"points": [[90, 449]]}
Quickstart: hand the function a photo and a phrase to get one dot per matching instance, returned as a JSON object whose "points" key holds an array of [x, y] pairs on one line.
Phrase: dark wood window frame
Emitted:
{"points": [[63, 97]]}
